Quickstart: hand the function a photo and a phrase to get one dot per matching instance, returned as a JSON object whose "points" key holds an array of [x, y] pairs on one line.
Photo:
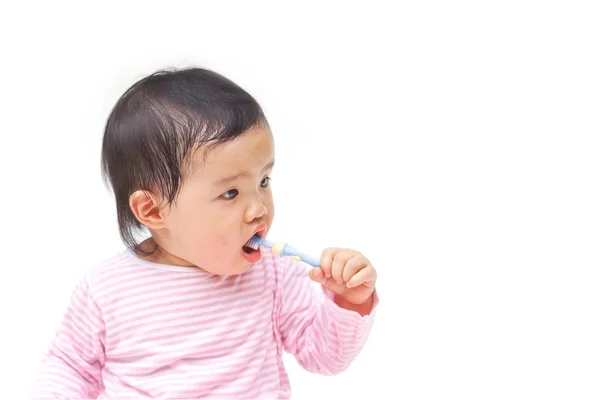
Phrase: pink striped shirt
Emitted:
{"points": [[135, 329]]}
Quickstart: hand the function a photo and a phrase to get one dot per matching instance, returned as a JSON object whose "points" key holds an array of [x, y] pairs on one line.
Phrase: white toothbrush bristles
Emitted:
{"points": [[252, 244]]}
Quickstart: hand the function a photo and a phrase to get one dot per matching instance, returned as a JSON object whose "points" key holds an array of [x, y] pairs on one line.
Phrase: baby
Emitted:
{"points": [[191, 312]]}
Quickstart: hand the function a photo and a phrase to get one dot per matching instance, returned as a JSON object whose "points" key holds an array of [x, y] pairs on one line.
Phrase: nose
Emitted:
{"points": [[255, 211]]}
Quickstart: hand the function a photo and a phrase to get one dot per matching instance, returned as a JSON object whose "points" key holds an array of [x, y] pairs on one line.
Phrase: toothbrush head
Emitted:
{"points": [[255, 241]]}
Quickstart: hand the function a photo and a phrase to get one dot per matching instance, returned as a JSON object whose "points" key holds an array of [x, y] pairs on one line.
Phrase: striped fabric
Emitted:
{"points": [[135, 329]]}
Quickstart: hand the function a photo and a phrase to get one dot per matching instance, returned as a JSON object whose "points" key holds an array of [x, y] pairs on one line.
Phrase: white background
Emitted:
{"points": [[454, 143]]}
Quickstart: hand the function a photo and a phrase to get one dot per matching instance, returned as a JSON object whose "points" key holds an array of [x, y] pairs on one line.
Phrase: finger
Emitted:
{"points": [[317, 275], [339, 263], [337, 288], [327, 259], [354, 265], [366, 276]]}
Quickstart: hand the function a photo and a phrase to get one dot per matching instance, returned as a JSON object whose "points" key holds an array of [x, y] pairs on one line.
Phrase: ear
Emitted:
{"points": [[147, 209]]}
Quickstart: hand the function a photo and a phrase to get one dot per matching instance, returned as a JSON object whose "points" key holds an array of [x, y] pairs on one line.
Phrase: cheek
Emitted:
{"points": [[187, 224], [220, 247], [270, 208]]}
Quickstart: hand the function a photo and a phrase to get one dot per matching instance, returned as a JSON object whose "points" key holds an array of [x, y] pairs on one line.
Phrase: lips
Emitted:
{"points": [[250, 254], [261, 231]]}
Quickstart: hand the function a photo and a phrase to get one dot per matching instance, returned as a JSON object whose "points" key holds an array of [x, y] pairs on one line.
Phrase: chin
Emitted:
{"points": [[243, 268], [236, 267]]}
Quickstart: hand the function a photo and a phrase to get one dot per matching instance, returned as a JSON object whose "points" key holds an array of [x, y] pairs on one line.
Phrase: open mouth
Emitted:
{"points": [[251, 249]]}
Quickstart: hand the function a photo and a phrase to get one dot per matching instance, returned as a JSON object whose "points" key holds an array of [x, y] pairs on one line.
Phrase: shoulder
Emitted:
{"points": [[110, 269]]}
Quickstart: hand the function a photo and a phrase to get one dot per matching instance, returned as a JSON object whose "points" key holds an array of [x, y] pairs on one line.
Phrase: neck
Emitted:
{"points": [[154, 251]]}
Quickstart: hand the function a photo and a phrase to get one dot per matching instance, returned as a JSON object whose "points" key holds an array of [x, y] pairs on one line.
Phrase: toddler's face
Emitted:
{"points": [[225, 199]]}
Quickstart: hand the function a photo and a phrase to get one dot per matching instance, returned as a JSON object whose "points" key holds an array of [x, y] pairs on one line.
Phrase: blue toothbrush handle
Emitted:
{"points": [[310, 260], [288, 250]]}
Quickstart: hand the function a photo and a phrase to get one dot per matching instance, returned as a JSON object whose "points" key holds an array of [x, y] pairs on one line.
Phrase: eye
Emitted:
{"points": [[265, 182], [230, 194]]}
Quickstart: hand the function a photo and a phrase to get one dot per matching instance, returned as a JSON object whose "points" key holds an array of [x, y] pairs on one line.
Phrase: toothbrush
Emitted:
{"points": [[282, 249]]}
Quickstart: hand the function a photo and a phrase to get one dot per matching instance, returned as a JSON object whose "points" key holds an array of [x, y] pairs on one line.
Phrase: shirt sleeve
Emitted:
{"points": [[323, 337], [72, 367]]}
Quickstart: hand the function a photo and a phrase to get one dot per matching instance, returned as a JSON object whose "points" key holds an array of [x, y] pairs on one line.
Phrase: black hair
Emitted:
{"points": [[156, 125]]}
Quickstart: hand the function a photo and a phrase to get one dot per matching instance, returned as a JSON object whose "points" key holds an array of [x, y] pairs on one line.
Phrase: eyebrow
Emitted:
{"points": [[242, 174]]}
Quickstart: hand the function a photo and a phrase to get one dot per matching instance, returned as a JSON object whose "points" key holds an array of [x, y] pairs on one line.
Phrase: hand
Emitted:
{"points": [[347, 273]]}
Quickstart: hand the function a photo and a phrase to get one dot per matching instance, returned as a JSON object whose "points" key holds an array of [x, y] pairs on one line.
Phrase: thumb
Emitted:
{"points": [[317, 275]]}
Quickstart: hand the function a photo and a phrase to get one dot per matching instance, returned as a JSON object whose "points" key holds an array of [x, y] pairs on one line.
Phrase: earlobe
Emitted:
{"points": [[146, 209]]}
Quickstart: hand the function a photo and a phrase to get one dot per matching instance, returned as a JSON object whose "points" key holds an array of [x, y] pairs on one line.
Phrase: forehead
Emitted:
{"points": [[252, 150]]}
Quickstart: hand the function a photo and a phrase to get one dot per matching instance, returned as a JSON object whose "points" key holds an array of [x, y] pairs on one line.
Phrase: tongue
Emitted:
{"points": [[251, 254]]}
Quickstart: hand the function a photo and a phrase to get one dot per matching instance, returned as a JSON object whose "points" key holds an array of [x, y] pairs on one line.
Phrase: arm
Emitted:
{"points": [[362, 309], [323, 337], [72, 367]]}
